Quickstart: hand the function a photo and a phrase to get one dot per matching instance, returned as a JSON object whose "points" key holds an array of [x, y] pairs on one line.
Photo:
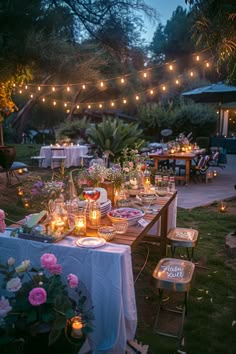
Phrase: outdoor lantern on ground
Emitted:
{"points": [[222, 207]]}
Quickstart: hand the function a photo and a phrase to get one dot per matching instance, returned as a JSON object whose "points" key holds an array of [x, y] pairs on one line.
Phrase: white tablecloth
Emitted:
{"points": [[107, 274], [73, 155]]}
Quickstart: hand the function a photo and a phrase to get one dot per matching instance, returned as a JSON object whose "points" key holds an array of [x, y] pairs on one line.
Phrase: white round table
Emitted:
{"points": [[73, 154]]}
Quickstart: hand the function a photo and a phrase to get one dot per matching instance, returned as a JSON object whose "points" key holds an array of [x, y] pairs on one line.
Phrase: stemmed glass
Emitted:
{"points": [[91, 195]]}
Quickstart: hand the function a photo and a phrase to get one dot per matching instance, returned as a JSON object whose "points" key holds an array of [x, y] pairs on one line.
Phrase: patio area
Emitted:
{"points": [[202, 194]]}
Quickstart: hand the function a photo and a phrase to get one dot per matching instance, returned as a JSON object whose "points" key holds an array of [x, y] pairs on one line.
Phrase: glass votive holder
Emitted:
{"points": [[107, 232], [79, 224], [121, 226]]}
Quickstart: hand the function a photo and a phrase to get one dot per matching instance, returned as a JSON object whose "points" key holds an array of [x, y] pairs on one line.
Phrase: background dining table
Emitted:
{"points": [[73, 154]]}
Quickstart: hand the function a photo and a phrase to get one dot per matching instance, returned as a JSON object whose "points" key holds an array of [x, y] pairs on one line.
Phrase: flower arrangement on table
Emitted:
{"points": [[38, 301], [36, 193]]}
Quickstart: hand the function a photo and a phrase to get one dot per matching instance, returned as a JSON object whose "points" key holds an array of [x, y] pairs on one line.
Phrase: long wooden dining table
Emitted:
{"points": [[106, 271], [188, 157]]}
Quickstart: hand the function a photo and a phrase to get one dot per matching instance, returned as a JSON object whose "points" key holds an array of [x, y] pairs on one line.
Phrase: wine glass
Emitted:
{"points": [[91, 194]]}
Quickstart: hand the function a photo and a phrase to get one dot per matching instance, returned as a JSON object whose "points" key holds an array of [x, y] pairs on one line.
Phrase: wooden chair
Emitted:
{"points": [[38, 160], [58, 158]]}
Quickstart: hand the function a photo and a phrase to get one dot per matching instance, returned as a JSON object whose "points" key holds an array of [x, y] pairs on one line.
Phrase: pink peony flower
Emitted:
{"points": [[14, 284], [48, 260], [2, 222], [4, 307], [37, 296], [55, 269], [72, 280]]}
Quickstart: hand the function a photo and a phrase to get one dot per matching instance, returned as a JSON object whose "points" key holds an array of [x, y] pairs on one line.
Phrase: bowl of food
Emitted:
{"points": [[131, 215]]}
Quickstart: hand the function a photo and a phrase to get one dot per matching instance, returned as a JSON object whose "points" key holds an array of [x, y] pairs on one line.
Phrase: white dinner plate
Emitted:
{"points": [[90, 242]]}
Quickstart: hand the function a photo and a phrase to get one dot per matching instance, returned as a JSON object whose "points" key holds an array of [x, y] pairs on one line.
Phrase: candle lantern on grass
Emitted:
{"points": [[222, 207]]}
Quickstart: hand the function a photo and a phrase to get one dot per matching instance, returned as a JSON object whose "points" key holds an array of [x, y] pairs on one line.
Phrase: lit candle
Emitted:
{"points": [[80, 225], [215, 173], [222, 207], [20, 191], [20, 171], [172, 151], [94, 216], [76, 327]]}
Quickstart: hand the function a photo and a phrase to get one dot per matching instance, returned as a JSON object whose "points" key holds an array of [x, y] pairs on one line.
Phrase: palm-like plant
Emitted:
{"points": [[111, 136]]}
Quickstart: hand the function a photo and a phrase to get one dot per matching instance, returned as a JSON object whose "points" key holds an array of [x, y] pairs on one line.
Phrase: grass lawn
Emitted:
{"points": [[210, 326]]}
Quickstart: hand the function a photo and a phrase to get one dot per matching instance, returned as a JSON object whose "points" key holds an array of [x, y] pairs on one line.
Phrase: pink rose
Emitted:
{"points": [[14, 284], [72, 280], [55, 269], [37, 296], [2, 222], [4, 307], [48, 260]]}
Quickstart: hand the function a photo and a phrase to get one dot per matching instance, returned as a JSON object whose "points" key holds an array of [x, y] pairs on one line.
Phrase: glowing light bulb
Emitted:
{"points": [[191, 74], [43, 99], [137, 98], [65, 104], [124, 101], [122, 80], [151, 92], [207, 65], [20, 92], [145, 75], [54, 103], [171, 67], [53, 88], [26, 87], [39, 88], [197, 58], [89, 106], [100, 106], [101, 84], [83, 87], [68, 88], [177, 82], [163, 88], [31, 96], [77, 106], [112, 104]]}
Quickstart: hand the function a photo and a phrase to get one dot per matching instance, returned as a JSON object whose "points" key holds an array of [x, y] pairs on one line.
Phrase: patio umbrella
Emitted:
{"points": [[216, 93]]}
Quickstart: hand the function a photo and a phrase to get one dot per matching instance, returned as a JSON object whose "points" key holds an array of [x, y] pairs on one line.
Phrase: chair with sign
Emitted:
{"points": [[172, 276], [182, 238], [58, 158]]}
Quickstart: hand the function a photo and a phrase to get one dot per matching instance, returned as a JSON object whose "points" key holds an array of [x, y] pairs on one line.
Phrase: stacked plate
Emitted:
{"points": [[105, 208]]}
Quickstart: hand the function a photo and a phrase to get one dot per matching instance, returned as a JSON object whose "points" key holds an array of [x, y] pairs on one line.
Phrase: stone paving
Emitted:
{"points": [[202, 193]]}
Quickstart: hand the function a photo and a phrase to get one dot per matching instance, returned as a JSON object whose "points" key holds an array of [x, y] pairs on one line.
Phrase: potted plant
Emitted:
{"points": [[39, 310]]}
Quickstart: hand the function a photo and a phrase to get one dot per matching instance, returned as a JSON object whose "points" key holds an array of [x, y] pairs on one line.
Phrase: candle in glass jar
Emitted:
{"points": [[80, 225], [76, 327], [94, 216], [20, 171], [20, 191], [222, 207]]}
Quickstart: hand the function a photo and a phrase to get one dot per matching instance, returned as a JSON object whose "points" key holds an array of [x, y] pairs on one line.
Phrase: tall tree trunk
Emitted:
{"points": [[21, 119]]}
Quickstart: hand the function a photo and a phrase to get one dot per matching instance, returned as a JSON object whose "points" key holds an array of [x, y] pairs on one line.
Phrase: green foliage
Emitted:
{"points": [[73, 129], [113, 135], [214, 28], [197, 118]]}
